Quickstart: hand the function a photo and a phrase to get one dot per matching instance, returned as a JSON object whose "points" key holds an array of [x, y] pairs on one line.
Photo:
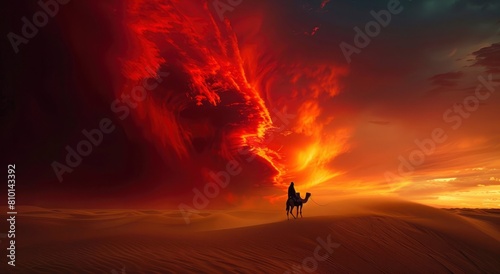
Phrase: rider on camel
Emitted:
{"points": [[291, 192]]}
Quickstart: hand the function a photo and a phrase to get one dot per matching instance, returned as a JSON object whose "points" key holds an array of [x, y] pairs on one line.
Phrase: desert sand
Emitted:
{"points": [[366, 236]]}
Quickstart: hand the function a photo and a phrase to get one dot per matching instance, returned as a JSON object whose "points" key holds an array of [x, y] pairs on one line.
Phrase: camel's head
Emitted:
{"points": [[308, 194]]}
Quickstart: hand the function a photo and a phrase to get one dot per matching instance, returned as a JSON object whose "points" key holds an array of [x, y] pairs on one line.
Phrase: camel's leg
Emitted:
{"points": [[297, 211], [291, 212], [301, 211], [287, 207]]}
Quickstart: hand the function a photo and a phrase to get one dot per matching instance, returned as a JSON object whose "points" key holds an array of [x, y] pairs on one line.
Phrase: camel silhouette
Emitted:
{"points": [[290, 204]]}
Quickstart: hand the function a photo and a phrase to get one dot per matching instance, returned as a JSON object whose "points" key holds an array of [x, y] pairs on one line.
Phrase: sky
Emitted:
{"points": [[233, 100]]}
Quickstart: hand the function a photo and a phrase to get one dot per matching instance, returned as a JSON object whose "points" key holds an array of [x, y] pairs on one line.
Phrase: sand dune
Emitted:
{"points": [[365, 236]]}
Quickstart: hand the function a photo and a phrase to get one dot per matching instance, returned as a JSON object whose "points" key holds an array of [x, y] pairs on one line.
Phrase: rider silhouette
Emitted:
{"points": [[291, 192]]}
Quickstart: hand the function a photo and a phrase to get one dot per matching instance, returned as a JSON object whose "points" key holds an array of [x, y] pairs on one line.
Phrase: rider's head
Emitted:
{"points": [[291, 183]]}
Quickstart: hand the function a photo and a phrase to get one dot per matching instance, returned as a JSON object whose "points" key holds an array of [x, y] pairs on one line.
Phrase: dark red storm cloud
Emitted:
{"points": [[233, 90]]}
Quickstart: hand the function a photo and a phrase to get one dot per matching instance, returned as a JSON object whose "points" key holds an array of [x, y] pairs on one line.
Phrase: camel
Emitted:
{"points": [[291, 203]]}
